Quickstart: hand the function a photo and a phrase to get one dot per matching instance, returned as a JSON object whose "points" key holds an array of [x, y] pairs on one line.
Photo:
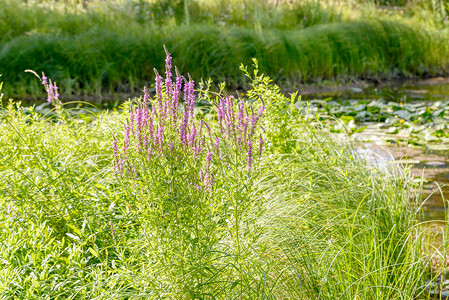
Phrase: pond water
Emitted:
{"points": [[433, 89]]}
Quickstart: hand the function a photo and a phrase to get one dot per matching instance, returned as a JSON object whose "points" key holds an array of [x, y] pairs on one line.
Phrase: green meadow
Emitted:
{"points": [[89, 211], [192, 190]]}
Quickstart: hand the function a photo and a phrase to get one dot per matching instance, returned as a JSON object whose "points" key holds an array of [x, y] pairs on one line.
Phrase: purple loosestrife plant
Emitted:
{"points": [[179, 165], [50, 87], [52, 91], [164, 126]]}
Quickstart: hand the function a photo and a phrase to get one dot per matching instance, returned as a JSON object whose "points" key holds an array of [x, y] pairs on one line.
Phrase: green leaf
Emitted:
{"points": [[94, 253], [76, 230]]}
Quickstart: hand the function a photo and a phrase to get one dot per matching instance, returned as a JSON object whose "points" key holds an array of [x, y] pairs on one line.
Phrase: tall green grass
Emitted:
{"points": [[113, 51], [99, 60], [322, 224]]}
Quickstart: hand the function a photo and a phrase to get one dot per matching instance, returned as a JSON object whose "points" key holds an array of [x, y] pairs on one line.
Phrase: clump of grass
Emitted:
{"points": [[95, 52], [308, 220]]}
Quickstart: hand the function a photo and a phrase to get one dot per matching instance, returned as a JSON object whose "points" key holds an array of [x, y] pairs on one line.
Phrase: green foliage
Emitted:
{"points": [[311, 221], [112, 48], [282, 118]]}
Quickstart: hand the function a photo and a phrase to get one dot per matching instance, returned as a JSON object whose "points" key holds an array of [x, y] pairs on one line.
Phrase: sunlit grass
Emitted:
{"points": [[112, 48], [314, 221]]}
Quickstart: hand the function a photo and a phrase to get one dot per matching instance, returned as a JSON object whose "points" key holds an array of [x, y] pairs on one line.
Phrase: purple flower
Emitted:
{"points": [[175, 102], [126, 140], [158, 94], [217, 144], [131, 121], [189, 98], [256, 118], [151, 128], [208, 160], [183, 127], [159, 139], [52, 91], [166, 131], [168, 84], [196, 151], [230, 113], [56, 94], [168, 59], [241, 112], [250, 154], [139, 117], [192, 136]]}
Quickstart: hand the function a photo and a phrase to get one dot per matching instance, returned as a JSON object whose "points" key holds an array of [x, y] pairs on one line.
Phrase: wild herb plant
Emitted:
{"points": [[190, 182], [282, 118]]}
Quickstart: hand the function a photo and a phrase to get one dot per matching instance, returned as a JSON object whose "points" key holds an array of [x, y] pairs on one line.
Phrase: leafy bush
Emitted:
{"points": [[189, 183]]}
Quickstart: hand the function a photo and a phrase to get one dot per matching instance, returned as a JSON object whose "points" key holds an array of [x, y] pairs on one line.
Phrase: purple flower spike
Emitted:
{"points": [[168, 84], [52, 91], [176, 95], [158, 93], [217, 144], [168, 59], [170, 131], [146, 97], [190, 97], [241, 112], [256, 118], [192, 136], [55, 93], [159, 140], [127, 139], [115, 147], [183, 127], [132, 116], [250, 154], [139, 117], [208, 160]]}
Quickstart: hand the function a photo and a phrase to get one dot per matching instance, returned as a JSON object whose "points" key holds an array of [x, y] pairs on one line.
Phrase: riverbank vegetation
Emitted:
{"points": [[95, 47], [164, 198]]}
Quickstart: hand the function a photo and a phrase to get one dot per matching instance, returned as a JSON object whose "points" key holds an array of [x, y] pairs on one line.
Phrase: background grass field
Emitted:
{"points": [[94, 47]]}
